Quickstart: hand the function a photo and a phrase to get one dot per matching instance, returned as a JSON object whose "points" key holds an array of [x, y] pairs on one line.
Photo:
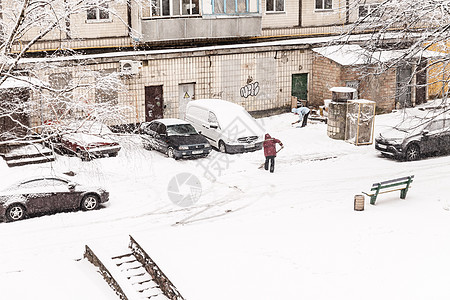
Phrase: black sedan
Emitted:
{"points": [[415, 138], [46, 195], [174, 137]]}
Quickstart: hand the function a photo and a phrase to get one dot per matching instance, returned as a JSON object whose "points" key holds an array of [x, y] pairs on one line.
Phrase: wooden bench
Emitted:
{"points": [[399, 184]]}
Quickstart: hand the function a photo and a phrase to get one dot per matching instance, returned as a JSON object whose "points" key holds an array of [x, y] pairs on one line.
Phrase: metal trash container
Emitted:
{"points": [[359, 203]]}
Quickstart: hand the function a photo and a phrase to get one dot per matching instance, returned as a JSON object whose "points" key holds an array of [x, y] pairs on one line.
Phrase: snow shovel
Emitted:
{"points": [[262, 166]]}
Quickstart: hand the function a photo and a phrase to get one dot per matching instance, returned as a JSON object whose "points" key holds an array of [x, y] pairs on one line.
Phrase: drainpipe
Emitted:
{"points": [[129, 16], [347, 12]]}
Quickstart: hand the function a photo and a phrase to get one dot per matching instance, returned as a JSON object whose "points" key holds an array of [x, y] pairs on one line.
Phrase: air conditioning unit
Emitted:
{"points": [[130, 67]]}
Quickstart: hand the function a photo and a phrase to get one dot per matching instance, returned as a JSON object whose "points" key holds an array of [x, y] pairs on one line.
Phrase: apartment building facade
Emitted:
{"points": [[244, 51]]}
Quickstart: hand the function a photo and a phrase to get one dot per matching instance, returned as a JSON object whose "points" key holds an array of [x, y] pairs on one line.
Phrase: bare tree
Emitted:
{"points": [[44, 95], [417, 30]]}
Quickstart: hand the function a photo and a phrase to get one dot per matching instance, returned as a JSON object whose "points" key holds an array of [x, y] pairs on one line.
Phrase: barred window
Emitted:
{"points": [[107, 92], [62, 95]]}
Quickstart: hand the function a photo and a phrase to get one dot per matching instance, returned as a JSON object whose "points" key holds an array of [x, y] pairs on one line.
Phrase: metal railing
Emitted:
{"points": [[166, 286], [89, 254]]}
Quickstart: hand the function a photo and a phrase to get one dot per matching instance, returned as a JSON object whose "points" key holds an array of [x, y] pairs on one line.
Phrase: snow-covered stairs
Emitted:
{"points": [[133, 275], [139, 278], [34, 153]]}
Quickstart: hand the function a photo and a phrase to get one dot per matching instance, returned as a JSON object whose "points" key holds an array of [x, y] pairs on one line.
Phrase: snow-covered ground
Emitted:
{"points": [[292, 234]]}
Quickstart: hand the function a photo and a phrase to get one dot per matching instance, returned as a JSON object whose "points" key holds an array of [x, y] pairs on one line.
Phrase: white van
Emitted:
{"points": [[227, 126]]}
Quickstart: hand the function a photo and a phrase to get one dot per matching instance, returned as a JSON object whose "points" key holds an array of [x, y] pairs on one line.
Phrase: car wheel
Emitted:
{"points": [[83, 155], [89, 202], [15, 212], [58, 149], [412, 152], [222, 147], [114, 154], [170, 153]]}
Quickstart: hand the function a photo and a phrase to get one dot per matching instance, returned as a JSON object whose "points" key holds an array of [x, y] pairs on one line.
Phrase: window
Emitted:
{"points": [[324, 4], [43, 183], [154, 126], [106, 89], [212, 118], [61, 96], [161, 129], [170, 8], [98, 12], [436, 125], [368, 10], [230, 6], [274, 5]]}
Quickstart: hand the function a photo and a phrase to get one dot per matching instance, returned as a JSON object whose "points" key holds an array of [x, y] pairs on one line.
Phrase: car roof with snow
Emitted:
{"points": [[215, 103], [171, 121], [230, 114], [33, 178]]}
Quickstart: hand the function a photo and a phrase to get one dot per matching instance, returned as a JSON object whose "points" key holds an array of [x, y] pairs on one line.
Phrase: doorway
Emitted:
{"points": [[154, 103], [421, 83], [185, 94], [403, 91], [300, 87]]}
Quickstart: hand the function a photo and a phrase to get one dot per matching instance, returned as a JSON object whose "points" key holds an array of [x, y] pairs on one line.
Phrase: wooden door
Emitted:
{"points": [[403, 92], [154, 103]]}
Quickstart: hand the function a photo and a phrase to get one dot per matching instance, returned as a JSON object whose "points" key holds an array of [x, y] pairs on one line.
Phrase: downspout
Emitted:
{"points": [[300, 5], [129, 17], [68, 34], [347, 12]]}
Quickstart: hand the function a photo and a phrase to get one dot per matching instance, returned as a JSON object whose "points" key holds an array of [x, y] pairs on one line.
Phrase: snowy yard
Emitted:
{"points": [[292, 234]]}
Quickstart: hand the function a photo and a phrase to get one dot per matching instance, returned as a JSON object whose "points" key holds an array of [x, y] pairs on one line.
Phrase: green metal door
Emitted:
{"points": [[300, 86]]}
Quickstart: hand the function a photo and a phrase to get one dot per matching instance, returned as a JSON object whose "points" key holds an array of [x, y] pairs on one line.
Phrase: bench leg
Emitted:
{"points": [[403, 193], [373, 199]]}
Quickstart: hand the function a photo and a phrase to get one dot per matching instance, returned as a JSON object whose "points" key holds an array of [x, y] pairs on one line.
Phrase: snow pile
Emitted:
{"points": [[292, 234]]}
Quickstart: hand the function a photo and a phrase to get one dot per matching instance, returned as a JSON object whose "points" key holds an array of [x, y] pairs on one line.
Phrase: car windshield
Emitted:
{"points": [[181, 129], [411, 124]]}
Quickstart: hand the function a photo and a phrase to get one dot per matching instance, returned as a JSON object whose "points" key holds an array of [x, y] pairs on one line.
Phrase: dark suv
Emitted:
{"points": [[416, 139], [174, 137]]}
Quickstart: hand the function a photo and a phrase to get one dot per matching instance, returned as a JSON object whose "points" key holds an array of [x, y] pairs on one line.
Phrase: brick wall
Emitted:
{"points": [[327, 73]]}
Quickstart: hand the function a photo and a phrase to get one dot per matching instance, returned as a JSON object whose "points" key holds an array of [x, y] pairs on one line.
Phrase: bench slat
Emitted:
{"points": [[394, 180], [389, 186], [383, 192]]}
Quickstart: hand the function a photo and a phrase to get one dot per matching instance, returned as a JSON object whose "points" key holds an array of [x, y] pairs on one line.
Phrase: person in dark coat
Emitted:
{"points": [[270, 151]]}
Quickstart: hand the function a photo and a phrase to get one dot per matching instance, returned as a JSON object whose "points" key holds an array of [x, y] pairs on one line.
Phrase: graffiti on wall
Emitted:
{"points": [[251, 89]]}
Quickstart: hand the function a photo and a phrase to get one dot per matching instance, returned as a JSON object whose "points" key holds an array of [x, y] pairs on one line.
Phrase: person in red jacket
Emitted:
{"points": [[270, 151]]}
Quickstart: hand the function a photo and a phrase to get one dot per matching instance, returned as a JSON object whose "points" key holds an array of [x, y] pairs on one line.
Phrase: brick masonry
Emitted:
{"points": [[327, 73]]}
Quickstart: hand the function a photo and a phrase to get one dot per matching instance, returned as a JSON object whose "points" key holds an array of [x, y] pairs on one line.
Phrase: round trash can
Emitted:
{"points": [[359, 202]]}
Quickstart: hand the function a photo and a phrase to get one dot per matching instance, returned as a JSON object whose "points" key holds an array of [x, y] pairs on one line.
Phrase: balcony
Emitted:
{"points": [[166, 20], [201, 27]]}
